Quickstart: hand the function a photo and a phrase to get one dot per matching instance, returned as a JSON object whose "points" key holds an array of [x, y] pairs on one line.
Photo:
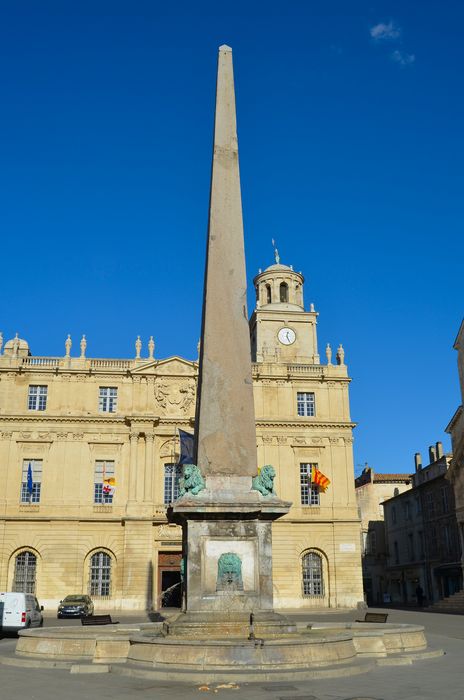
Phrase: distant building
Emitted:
{"points": [[372, 490], [456, 429], [422, 538]]}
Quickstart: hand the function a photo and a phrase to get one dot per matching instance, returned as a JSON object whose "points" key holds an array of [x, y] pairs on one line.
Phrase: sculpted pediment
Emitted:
{"points": [[171, 366]]}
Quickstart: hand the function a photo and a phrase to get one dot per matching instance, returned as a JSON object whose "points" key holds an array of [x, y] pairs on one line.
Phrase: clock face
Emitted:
{"points": [[286, 336]]}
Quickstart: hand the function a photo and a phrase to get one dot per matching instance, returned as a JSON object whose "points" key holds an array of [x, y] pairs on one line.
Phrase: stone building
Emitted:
{"points": [[372, 490], [88, 463], [456, 430], [422, 536]]}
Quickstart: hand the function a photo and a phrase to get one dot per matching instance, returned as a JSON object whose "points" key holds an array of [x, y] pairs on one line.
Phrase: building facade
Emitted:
{"points": [[422, 535], [89, 453], [455, 429], [371, 491]]}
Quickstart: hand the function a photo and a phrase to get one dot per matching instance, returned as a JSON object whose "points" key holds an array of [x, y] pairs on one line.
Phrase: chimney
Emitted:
{"points": [[418, 461], [432, 454], [439, 448]]}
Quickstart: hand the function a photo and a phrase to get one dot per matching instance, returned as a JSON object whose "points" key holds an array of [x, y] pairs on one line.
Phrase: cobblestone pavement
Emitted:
{"points": [[425, 680]]}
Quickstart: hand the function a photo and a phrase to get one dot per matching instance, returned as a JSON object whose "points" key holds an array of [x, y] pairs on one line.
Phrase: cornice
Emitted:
{"points": [[26, 418], [298, 425]]}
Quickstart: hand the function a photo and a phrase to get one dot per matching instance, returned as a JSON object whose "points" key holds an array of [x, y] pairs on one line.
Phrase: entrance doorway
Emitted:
{"points": [[169, 587]]}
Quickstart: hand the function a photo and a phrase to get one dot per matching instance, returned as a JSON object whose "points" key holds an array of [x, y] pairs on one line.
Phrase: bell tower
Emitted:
{"points": [[281, 330]]}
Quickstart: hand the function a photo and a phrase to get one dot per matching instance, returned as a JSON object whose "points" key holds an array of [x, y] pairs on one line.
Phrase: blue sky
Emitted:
{"points": [[351, 147]]}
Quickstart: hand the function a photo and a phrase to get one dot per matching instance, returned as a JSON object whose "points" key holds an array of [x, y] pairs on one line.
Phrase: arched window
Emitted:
{"points": [[313, 582], [100, 574], [24, 573], [268, 294], [283, 292]]}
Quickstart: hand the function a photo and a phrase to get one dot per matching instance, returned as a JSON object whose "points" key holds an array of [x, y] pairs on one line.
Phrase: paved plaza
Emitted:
{"points": [[433, 678]]}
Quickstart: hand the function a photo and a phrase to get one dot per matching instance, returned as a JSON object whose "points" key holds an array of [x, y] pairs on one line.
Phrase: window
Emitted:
{"points": [[447, 538], [372, 542], [433, 540], [37, 398], [172, 474], [108, 399], [418, 506], [421, 544], [306, 404], [444, 500], [309, 492], [103, 470], [393, 512], [100, 574], [24, 573], [397, 553], [430, 505], [411, 554], [313, 584], [268, 294], [407, 510], [31, 481], [284, 292]]}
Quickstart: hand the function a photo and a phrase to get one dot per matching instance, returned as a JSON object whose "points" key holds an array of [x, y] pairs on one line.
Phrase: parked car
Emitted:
{"points": [[78, 605], [19, 611]]}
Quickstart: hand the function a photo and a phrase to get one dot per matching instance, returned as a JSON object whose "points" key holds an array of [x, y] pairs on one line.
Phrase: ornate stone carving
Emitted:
{"points": [[169, 532], [138, 348], [229, 576], [26, 436], [340, 355], [78, 436], [264, 482], [267, 439], [192, 481], [151, 348], [62, 436], [334, 440], [174, 396], [7, 436], [281, 439], [300, 441]]}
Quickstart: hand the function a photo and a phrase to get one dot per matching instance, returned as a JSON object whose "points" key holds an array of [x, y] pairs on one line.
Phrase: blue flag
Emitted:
{"points": [[30, 483], [186, 447]]}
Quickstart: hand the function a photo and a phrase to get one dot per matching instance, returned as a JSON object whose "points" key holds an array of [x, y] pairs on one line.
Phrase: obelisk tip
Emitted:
{"points": [[225, 49]]}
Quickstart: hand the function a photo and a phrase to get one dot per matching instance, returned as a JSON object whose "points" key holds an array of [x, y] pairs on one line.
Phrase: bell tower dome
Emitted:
{"points": [[281, 330]]}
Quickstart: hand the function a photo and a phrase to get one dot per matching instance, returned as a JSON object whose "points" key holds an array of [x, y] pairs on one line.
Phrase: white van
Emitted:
{"points": [[19, 611]]}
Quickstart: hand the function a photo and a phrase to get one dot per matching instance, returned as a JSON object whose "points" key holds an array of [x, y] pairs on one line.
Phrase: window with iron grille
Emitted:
{"points": [[305, 403], [172, 475], [100, 574], [28, 494], [309, 493], [24, 573], [104, 469], [37, 398], [108, 399], [313, 583]]}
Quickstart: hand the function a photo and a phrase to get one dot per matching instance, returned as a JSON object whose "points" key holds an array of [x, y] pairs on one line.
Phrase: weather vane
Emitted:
{"points": [[276, 252]]}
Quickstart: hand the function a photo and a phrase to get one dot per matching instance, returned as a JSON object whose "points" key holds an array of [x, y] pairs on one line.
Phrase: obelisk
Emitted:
{"points": [[225, 418], [226, 519]]}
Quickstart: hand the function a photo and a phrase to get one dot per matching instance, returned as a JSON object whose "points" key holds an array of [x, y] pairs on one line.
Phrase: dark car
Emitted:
{"points": [[78, 605]]}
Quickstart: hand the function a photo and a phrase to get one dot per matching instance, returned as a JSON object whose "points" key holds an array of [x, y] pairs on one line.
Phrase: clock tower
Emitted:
{"points": [[281, 330]]}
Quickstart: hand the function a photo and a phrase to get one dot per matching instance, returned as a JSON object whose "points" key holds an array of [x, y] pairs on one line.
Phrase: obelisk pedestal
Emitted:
{"points": [[227, 524]]}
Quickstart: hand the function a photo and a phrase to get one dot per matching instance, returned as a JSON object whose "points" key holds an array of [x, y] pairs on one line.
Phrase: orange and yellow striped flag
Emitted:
{"points": [[319, 479]]}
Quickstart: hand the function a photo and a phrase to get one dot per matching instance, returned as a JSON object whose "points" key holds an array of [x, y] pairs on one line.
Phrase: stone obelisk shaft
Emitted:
{"points": [[225, 419]]}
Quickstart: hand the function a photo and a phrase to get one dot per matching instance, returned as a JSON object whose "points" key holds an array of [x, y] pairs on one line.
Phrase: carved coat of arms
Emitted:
{"points": [[174, 396]]}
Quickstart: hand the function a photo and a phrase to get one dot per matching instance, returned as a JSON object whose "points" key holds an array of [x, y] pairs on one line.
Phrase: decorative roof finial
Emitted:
{"points": [[340, 355], [328, 353], [1, 342], [83, 345], [68, 345], [138, 348], [276, 253], [151, 348]]}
